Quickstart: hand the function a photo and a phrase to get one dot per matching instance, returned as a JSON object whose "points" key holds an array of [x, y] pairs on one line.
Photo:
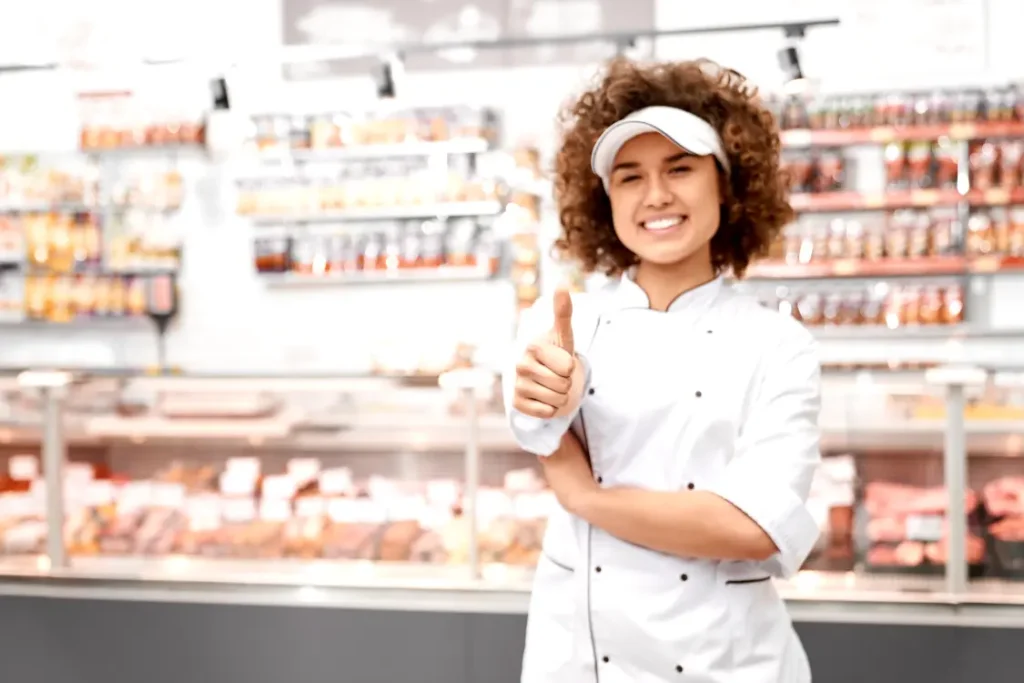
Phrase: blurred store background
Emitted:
{"points": [[260, 262]]}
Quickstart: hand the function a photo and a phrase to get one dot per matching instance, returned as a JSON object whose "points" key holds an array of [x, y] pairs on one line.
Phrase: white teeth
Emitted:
{"points": [[663, 223]]}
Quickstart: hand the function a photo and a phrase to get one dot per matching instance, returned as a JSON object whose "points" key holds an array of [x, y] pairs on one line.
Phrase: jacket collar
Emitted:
{"points": [[628, 294]]}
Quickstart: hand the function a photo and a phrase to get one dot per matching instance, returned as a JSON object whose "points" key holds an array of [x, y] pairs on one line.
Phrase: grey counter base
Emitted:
{"points": [[78, 640]]}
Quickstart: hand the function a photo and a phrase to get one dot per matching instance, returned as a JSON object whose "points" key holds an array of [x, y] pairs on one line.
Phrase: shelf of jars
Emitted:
{"points": [[75, 248], [417, 195]]}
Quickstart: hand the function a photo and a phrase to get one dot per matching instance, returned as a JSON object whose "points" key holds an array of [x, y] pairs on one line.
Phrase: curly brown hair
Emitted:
{"points": [[755, 196]]}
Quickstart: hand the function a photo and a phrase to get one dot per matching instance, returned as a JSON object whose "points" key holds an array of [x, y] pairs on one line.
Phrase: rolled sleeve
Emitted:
{"points": [[778, 451]]}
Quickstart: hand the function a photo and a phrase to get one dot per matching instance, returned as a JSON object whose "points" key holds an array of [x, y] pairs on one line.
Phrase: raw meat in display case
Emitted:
{"points": [[906, 529], [1004, 502]]}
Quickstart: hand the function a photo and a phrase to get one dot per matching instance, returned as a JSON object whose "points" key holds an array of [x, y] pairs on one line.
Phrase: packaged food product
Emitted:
{"points": [[953, 305], [943, 231], [919, 245], [874, 309], [810, 309], [895, 166], [1011, 155], [897, 234], [836, 245], [830, 175], [946, 152], [874, 240], [980, 235], [931, 308], [1000, 229], [984, 159], [1016, 231], [920, 165]]}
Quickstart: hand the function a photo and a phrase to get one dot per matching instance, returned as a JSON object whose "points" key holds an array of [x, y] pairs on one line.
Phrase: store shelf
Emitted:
{"points": [[853, 268], [442, 274], [50, 207], [901, 199], [884, 134], [384, 151], [445, 210]]}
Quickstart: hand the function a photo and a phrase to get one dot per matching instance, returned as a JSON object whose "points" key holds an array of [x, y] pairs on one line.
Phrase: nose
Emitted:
{"points": [[658, 194]]}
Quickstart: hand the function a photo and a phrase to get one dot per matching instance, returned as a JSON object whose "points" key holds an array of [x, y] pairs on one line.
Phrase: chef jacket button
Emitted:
{"points": [[690, 486], [605, 659], [683, 577], [597, 569], [679, 668], [591, 391], [699, 394], [600, 480]]}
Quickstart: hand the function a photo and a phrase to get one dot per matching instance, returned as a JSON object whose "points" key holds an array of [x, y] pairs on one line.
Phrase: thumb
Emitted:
{"points": [[563, 320]]}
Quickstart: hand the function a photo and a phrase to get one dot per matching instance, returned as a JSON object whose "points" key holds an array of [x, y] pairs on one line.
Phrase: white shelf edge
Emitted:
{"points": [[438, 210]]}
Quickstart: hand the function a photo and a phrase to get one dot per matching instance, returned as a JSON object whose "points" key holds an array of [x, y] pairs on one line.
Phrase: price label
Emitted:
{"points": [[369, 512], [443, 492], [275, 510], [874, 200], [986, 264], [924, 528], [237, 483], [243, 467], [844, 267], [281, 486], [882, 134], [997, 197], [406, 508], [23, 468], [796, 138], [203, 512], [963, 131], [924, 197], [336, 482], [303, 469], [99, 493], [134, 496], [341, 510]]}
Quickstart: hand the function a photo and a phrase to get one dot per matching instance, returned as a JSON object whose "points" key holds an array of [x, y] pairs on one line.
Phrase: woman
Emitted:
{"points": [[676, 420]]}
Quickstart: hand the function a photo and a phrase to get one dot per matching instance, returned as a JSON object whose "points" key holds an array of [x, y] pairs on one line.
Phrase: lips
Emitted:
{"points": [[663, 223]]}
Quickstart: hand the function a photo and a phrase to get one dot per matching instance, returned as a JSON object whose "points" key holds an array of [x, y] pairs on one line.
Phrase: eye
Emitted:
{"points": [[680, 169], [628, 179]]}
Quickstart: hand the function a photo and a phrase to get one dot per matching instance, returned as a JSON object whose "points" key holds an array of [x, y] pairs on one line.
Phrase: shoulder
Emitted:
{"points": [[775, 332]]}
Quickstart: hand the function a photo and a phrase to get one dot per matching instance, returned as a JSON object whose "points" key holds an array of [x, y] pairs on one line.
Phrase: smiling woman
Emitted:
{"points": [[750, 204], [676, 418]]}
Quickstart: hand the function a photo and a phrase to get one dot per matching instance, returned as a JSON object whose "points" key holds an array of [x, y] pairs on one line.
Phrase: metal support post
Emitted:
{"points": [[472, 484], [54, 455], [955, 471]]}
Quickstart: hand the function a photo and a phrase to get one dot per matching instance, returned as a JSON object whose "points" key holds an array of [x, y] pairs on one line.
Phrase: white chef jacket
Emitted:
{"points": [[718, 394]]}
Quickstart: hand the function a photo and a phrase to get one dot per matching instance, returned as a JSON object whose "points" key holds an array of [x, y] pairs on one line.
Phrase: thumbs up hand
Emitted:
{"points": [[549, 377]]}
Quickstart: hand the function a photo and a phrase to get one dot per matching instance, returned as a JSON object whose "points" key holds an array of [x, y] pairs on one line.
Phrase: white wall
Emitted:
{"points": [[230, 321]]}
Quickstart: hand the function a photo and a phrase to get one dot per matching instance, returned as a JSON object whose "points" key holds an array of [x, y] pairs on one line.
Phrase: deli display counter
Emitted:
{"points": [[384, 528]]}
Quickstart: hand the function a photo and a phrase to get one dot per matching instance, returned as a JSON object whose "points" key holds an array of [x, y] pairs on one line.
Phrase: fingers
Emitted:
{"points": [[563, 321], [532, 369], [533, 408], [554, 358], [529, 389]]}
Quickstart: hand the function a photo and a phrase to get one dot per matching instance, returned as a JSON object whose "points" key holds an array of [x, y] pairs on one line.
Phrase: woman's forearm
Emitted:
{"points": [[683, 523]]}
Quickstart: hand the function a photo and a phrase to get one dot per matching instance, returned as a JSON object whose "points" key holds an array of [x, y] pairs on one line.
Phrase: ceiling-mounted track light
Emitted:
{"points": [[789, 60], [387, 74]]}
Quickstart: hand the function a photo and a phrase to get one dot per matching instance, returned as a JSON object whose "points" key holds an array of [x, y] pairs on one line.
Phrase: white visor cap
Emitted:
{"points": [[690, 132]]}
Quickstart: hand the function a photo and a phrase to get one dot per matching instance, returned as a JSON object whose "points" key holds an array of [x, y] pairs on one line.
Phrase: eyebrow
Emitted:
{"points": [[667, 160]]}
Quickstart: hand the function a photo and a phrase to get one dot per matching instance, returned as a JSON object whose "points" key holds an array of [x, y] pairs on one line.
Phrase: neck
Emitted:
{"points": [[664, 283]]}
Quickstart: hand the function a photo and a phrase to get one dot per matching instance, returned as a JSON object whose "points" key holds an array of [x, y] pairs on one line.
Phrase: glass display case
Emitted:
{"points": [[418, 483]]}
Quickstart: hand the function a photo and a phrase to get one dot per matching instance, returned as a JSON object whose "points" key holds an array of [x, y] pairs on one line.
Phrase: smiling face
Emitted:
{"points": [[665, 202]]}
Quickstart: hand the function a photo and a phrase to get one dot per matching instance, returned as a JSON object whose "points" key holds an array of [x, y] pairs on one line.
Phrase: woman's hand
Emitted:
{"points": [[569, 475]]}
